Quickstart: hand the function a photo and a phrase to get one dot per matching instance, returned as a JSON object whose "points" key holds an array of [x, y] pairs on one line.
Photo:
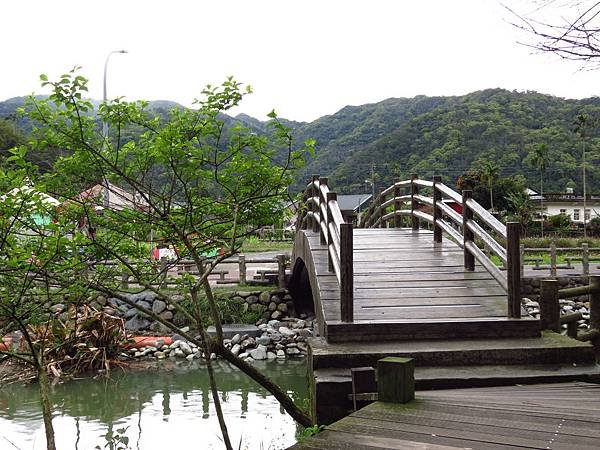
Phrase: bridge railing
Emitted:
{"points": [[461, 218], [322, 214]]}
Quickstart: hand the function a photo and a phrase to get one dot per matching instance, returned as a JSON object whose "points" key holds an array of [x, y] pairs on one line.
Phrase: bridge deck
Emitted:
{"points": [[558, 416], [402, 276]]}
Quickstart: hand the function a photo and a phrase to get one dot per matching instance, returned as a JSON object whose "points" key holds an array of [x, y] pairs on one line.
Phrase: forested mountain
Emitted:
{"points": [[443, 135]]}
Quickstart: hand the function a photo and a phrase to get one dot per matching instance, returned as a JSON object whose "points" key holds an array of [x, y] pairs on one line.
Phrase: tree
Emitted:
{"points": [[192, 181], [573, 33], [490, 173], [540, 161]]}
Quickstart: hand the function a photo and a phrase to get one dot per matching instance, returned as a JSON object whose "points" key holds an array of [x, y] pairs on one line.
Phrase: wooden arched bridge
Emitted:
{"points": [[391, 278]]}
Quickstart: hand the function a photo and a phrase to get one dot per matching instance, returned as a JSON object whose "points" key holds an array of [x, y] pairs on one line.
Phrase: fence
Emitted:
{"points": [[587, 255]]}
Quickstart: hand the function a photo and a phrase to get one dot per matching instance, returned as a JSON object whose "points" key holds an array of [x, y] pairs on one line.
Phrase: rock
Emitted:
{"points": [[244, 355], [238, 299], [144, 304], [271, 355], [286, 332], [264, 298], [185, 348], [248, 342], [190, 357], [259, 353], [166, 315], [288, 298], [59, 307], [276, 337], [275, 299], [236, 349], [137, 324], [158, 306], [304, 332], [185, 329], [236, 339], [292, 351], [266, 315], [257, 307], [179, 353], [177, 337], [252, 299], [263, 340], [158, 327], [280, 354], [277, 314], [272, 306], [130, 313], [175, 344], [275, 324], [160, 355], [282, 307]]}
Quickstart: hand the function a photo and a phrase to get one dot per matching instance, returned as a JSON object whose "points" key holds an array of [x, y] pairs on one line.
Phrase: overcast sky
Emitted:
{"points": [[303, 58]]}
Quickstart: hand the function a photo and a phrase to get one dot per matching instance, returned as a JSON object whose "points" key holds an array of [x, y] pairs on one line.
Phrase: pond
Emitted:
{"points": [[169, 407]]}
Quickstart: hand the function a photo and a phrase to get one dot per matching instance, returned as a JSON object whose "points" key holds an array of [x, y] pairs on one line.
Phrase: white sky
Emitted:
{"points": [[304, 58]]}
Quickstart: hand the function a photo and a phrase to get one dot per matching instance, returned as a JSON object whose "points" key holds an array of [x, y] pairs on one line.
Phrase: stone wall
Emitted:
{"points": [[274, 304]]}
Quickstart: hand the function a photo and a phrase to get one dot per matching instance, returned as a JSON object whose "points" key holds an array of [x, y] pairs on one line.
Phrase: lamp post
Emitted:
{"points": [[104, 124]]}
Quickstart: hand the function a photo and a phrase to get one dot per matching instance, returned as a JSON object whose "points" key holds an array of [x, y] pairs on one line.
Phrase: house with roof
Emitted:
{"points": [[352, 206], [570, 204]]}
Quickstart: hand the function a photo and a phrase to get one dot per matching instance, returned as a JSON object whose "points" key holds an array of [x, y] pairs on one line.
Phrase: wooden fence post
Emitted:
{"points": [[513, 269], [346, 272], [585, 258], [243, 272], [437, 213], [468, 236], [281, 270], [323, 225], [553, 259], [414, 205], [397, 205], [395, 380], [549, 305], [330, 196]]}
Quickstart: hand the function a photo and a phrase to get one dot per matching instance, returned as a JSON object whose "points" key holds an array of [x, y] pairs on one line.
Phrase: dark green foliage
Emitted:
{"points": [[560, 221]]}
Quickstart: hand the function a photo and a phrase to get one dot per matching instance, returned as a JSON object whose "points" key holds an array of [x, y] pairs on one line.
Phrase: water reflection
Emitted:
{"points": [[171, 407]]}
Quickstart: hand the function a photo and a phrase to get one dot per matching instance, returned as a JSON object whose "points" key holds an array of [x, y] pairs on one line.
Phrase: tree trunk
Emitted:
{"points": [[46, 406]]}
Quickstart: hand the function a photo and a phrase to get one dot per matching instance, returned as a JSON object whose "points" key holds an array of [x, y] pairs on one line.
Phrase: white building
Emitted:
{"points": [[569, 204]]}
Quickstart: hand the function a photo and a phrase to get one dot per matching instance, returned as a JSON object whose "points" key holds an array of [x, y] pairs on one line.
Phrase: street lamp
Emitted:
{"points": [[104, 124]]}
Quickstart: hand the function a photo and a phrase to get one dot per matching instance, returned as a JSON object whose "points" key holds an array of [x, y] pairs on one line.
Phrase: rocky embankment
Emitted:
{"points": [[275, 340], [567, 306]]}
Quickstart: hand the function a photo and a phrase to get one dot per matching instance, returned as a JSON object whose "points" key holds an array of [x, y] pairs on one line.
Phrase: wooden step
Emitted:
{"points": [[550, 348], [419, 329]]}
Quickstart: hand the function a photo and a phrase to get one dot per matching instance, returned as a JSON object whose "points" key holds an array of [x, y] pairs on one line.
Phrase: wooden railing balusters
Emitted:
{"points": [[381, 197], [331, 196], [397, 205], [437, 213], [414, 204], [323, 225], [468, 235]]}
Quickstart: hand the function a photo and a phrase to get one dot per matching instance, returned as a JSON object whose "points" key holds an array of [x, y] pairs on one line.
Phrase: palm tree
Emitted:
{"points": [[489, 174], [540, 160]]}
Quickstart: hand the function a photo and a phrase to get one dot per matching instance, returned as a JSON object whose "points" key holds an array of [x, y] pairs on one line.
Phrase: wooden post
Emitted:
{"points": [[553, 259], [437, 213], [585, 258], [281, 270], [572, 329], [315, 206], [243, 272], [397, 205], [323, 225], [346, 273], [381, 209], [468, 236], [395, 380], [549, 305], [513, 269], [330, 196], [414, 205], [163, 272]]}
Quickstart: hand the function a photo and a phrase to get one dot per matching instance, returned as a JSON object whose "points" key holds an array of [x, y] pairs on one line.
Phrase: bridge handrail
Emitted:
{"points": [[474, 224], [322, 214]]}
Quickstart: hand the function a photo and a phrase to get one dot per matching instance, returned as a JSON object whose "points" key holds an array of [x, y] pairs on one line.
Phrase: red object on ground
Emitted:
{"points": [[6, 341], [145, 341]]}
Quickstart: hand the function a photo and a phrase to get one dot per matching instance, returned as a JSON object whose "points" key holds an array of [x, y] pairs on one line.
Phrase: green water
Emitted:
{"points": [[170, 408]]}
